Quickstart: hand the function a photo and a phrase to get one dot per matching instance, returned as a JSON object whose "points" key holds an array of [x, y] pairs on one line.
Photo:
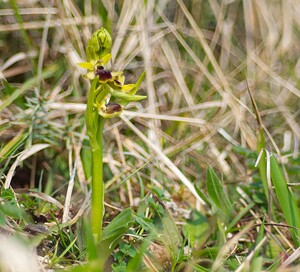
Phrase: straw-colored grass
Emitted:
{"points": [[199, 57]]}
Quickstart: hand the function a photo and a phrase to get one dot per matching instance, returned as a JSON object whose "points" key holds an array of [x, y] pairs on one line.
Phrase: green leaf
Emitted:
{"points": [[86, 158], [286, 200], [248, 153], [9, 90], [90, 53], [2, 219], [13, 211], [217, 193], [239, 216], [260, 236], [200, 193], [113, 233], [105, 59], [144, 223], [169, 234], [165, 230], [197, 229], [119, 225], [257, 264]]}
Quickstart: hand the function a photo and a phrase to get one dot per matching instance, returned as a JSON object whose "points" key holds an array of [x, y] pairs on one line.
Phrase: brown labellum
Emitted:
{"points": [[103, 74], [112, 108]]}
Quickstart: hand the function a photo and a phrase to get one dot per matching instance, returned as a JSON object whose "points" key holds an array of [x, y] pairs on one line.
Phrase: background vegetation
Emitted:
{"points": [[187, 161]]}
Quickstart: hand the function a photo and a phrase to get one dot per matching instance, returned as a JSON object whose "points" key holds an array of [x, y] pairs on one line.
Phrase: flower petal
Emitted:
{"points": [[86, 65]]}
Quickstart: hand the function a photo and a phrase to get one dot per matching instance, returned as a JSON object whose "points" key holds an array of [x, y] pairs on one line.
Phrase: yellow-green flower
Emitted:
{"points": [[93, 65], [109, 110], [108, 85], [115, 80]]}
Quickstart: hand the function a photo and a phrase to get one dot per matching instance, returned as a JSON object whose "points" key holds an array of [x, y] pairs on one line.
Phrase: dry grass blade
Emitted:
{"points": [[277, 78], [228, 247], [23, 156], [67, 205], [175, 66], [291, 259], [40, 195], [247, 261], [76, 107], [165, 160], [198, 116]]}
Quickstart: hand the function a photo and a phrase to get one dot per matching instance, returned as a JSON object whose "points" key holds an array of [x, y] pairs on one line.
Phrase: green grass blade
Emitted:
{"points": [[136, 262], [262, 164], [59, 258], [12, 145], [260, 145], [286, 200], [260, 236], [257, 264], [240, 215], [28, 85], [217, 193]]}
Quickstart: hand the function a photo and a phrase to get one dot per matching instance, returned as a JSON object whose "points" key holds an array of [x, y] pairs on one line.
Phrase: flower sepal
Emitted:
{"points": [[125, 96], [87, 65]]}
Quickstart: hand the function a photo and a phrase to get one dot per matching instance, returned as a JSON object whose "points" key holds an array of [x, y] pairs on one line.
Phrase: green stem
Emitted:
{"points": [[97, 211], [95, 125], [91, 117]]}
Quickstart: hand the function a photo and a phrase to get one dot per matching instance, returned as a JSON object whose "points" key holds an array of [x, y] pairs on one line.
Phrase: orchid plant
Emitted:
{"points": [[107, 97]]}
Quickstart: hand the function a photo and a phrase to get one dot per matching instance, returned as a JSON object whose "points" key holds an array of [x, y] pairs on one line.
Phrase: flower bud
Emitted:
{"points": [[104, 39], [99, 45]]}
